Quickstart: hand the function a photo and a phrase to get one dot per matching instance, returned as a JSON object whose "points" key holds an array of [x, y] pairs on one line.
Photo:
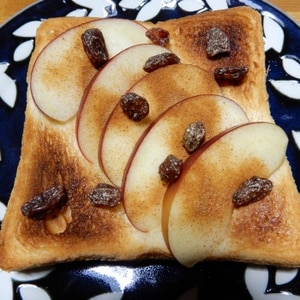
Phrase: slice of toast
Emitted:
{"points": [[265, 232]]}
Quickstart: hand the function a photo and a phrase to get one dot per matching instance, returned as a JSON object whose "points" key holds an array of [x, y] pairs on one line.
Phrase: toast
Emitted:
{"points": [[264, 232]]}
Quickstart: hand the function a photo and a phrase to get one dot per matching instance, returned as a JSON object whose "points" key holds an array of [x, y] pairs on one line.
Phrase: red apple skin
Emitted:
{"points": [[64, 57], [104, 92], [162, 89], [172, 189], [142, 188], [198, 207]]}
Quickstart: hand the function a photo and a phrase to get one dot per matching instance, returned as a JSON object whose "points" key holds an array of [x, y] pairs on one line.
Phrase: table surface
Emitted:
{"points": [[8, 8]]}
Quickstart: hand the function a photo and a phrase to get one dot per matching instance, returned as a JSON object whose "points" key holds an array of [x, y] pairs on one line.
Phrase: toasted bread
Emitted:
{"points": [[266, 232]]}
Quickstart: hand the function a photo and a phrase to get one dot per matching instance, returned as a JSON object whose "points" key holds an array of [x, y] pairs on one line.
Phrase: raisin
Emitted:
{"points": [[170, 169], [193, 136], [217, 42], [253, 189], [158, 36], [160, 60], [234, 74], [94, 47], [44, 204], [134, 106], [105, 195]]}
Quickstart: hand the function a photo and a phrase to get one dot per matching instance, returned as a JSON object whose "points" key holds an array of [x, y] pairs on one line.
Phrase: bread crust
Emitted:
{"points": [[50, 157]]}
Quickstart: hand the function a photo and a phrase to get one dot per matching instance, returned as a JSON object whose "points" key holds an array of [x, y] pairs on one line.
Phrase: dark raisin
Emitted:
{"points": [[217, 42], [234, 74], [134, 106], [105, 195], [170, 169], [193, 136], [44, 204], [158, 36], [253, 189], [94, 47], [160, 60]]}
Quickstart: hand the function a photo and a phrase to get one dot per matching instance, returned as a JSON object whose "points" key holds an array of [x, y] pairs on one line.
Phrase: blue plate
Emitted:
{"points": [[151, 279]]}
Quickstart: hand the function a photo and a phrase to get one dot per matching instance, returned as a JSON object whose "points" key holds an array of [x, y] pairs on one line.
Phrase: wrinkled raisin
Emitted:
{"points": [[160, 60], [253, 189], [193, 136], [105, 195], [217, 42], [158, 36], [134, 106], [234, 74], [94, 47], [44, 204], [170, 169]]}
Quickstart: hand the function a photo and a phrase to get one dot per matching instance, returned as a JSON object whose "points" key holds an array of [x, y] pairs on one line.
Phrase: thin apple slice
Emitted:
{"points": [[198, 207], [162, 88], [62, 70], [143, 190], [105, 91]]}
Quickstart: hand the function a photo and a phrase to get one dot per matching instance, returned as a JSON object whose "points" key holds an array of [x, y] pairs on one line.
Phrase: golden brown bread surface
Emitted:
{"points": [[50, 156], [189, 41], [92, 230]]}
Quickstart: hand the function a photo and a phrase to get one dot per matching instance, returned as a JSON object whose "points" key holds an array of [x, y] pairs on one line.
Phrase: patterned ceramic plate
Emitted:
{"points": [[151, 279]]}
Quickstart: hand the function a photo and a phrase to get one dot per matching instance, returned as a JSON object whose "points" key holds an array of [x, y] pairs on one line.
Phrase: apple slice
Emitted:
{"points": [[105, 91], [62, 70], [143, 191], [198, 207], [162, 88]]}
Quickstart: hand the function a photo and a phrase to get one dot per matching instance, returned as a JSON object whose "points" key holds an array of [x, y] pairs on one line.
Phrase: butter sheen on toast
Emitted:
{"points": [[265, 232]]}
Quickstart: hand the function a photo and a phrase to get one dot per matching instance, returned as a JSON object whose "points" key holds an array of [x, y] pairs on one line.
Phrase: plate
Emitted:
{"points": [[150, 279]]}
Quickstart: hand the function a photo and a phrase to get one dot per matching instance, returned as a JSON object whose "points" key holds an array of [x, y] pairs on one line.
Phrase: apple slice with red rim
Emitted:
{"points": [[62, 70], [198, 207], [142, 189], [161, 88], [105, 91]]}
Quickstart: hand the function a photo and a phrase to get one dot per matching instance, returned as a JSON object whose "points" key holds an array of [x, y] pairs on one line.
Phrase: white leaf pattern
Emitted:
{"points": [[256, 279], [23, 51], [291, 65], [32, 292], [100, 8], [289, 88], [8, 88], [103, 12], [169, 4], [3, 67], [27, 30], [285, 276], [131, 4], [6, 287], [296, 137], [216, 5], [274, 34], [2, 211], [149, 11], [30, 275], [78, 13], [191, 5], [252, 4]]}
